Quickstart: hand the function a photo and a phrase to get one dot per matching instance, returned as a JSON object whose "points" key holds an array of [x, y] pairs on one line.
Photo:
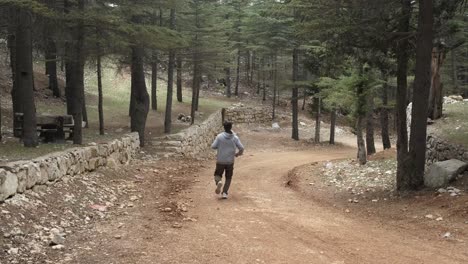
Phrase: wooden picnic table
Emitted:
{"points": [[52, 128]]}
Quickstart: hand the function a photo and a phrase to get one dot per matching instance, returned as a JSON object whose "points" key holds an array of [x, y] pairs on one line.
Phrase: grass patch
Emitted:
{"points": [[454, 125], [116, 90], [11, 151]]}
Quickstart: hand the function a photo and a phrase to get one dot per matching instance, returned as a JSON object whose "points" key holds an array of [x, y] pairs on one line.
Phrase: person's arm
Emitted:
{"points": [[215, 143], [240, 147]]}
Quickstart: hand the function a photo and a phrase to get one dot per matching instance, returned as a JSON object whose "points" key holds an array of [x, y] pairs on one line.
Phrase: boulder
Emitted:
{"points": [[276, 126], [8, 184], [441, 173]]}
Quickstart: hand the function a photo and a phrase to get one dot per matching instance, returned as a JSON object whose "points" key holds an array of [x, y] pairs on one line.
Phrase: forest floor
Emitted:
{"points": [[286, 205]]}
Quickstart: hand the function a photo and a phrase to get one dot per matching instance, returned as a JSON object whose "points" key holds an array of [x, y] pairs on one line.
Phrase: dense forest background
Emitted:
{"points": [[357, 58]]}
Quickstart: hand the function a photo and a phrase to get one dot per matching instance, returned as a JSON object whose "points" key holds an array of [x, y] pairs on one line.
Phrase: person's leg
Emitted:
{"points": [[218, 176], [229, 173]]}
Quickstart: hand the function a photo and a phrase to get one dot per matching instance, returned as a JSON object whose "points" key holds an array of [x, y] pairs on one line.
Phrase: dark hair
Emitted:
{"points": [[227, 126]]}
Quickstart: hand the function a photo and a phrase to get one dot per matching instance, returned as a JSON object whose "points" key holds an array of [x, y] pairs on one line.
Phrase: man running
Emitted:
{"points": [[226, 143]]}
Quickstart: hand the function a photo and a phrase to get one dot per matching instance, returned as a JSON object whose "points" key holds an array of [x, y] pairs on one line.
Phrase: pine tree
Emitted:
{"points": [[24, 76], [75, 69], [421, 103], [170, 79], [51, 50]]}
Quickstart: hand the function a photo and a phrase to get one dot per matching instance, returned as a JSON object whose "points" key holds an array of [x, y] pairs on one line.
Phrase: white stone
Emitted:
{"points": [[13, 251], [58, 247], [441, 173], [8, 184]]}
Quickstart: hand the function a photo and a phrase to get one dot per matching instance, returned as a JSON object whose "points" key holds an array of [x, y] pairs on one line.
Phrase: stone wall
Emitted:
{"points": [[249, 115], [194, 140], [440, 150], [17, 177], [197, 139]]}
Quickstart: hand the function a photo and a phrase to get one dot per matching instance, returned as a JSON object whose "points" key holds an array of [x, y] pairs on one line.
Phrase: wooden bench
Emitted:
{"points": [[52, 128]]}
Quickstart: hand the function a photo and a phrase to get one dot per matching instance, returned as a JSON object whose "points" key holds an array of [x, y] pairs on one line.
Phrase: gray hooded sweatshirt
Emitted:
{"points": [[226, 145]]}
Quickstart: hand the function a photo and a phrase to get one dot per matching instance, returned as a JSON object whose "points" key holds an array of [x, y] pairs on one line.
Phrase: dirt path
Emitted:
{"points": [[264, 222]]}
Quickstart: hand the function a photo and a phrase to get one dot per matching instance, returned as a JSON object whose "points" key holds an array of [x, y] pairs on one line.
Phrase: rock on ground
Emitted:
{"points": [[441, 173]]}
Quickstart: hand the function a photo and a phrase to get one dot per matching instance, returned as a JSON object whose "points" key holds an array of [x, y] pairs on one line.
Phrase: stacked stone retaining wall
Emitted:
{"points": [[439, 150], [249, 115], [17, 177], [197, 139]]}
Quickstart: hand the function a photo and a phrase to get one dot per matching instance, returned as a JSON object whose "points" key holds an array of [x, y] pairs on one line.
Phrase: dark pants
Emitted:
{"points": [[228, 170]]}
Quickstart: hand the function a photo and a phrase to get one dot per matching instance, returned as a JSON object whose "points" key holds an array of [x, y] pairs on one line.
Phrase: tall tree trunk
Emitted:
{"points": [[318, 119], [195, 89], [85, 111], [34, 83], [179, 78], [154, 82], [275, 84], [248, 67], [370, 142], [198, 92], [453, 68], [17, 106], [278, 98], [100, 94], [131, 107], [332, 126], [435, 93], [361, 155], [228, 81], [236, 90], [196, 68], [304, 99], [140, 111], [51, 66], [420, 102], [259, 82], [252, 68], [264, 87], [75, 76], [68, 78], [402, 49], [295, 95], [24, 77], [361, 112], [384, 113], [170, 81], [51, 51], [154, 71], [259, 75], [195, 85]]}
